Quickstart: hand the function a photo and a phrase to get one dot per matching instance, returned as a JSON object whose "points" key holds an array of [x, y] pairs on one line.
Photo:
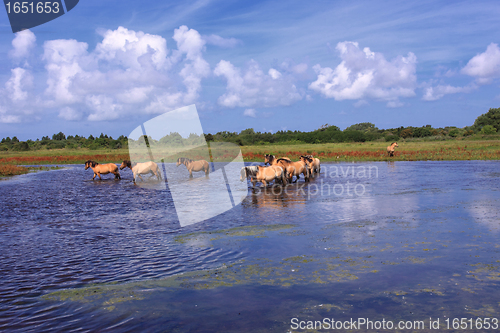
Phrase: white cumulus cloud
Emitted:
{"points": [[363, 74], [484, 66], [250, 113], [437, 92], [22, 44], [221, 41], [252, 87]]}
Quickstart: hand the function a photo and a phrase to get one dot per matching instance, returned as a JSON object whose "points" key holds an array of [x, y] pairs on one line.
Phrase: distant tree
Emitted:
{"points": [[488, 129], [406, 133], [15, 139], [59, 136], [91, 137], [45, 138], [209, 137], [454, 132], [421, 132], [492, 117], [21, 146], [248, 131], [365, 127]]}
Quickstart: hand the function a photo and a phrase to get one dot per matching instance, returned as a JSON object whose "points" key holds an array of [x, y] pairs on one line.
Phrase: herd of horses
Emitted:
{"points": [[280, 170], [146, 168]]}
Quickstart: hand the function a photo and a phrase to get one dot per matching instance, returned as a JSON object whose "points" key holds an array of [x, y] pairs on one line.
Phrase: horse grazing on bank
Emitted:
{"points": [[145, 168], [102, 169], [390, 149], [315, 166], [195, 166]]}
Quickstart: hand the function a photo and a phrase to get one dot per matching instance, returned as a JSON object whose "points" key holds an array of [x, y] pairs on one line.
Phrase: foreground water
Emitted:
{"points": [[401, 241]]}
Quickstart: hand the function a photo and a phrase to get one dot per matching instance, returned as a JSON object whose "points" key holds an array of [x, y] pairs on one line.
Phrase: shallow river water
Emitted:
{"points": [[399, 242]]}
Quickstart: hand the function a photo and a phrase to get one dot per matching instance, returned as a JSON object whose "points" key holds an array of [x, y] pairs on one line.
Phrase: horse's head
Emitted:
{"points": [[395, 144], [179, 162], [307, 160], [88, 164], [268, 159], [125, 164]]}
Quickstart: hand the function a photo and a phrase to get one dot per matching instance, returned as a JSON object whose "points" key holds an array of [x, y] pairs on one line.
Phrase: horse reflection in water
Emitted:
{"points": [[276, 197]]}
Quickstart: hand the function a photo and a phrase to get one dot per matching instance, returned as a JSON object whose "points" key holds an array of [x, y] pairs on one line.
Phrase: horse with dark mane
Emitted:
{"points": [[263, 174], [102, 169], [268, 174], [200, 165], [283, 162], [390, 149], [315, 166], [296, 168], [139, 169]]}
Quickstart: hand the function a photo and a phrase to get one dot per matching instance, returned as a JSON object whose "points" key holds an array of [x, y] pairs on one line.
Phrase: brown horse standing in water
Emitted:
{"points": [[139, 169], [296, 168], [390, 149], [268, 174], [315, 166], [102, 169], [282, 162], [195, 166]]}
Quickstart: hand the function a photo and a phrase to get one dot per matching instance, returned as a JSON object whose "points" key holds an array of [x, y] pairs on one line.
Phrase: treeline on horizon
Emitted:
{"points": [[487, 124]]}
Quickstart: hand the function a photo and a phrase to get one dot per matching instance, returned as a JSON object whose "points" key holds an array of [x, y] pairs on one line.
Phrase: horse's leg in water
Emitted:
{"points": [[140, 176], [95, 174], [99, 174], [190, 173], [296, 180]]}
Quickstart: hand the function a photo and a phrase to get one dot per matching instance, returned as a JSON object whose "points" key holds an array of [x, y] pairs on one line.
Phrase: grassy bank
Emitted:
{"points": [[459, 149], [7, 170], [376, 151]]}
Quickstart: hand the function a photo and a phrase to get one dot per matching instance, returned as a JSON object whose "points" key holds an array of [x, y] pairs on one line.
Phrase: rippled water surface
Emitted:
{"points": [[399, 241]]}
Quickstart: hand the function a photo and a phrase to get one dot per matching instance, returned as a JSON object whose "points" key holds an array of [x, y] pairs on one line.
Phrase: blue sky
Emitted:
{"points": [[108, 66]]}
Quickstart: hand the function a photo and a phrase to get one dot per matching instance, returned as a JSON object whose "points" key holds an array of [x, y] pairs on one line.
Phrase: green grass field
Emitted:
{"points": [[459, 149]]}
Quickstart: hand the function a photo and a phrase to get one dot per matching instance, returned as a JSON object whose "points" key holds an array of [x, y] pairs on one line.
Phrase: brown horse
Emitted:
{"points": [[249, 171], [296, 168], [191, 165], [139, 169], [390, 149], [268, 174], [282, 162], [315, 166], [102, 169]]}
